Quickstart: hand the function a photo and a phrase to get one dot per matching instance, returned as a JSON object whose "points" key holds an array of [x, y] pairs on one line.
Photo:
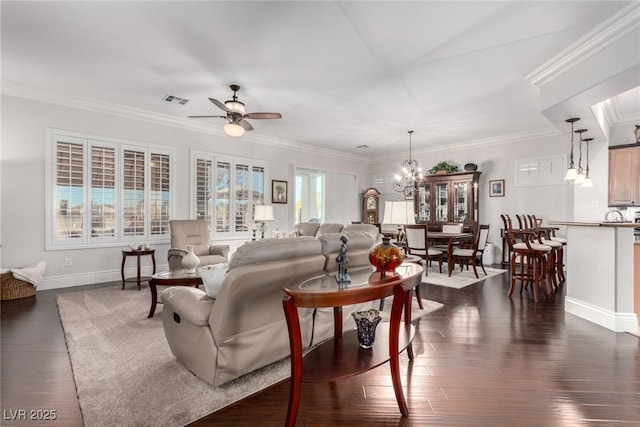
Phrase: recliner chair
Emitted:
{"points": [[194, 232]]}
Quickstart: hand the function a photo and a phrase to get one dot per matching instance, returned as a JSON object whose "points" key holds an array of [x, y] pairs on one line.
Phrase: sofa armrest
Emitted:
{"points": [[222, 250], [174, 257], [192, 304]]}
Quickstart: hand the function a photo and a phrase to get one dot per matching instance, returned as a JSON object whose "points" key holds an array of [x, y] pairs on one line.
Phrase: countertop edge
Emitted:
{"points": [[595, 224]]}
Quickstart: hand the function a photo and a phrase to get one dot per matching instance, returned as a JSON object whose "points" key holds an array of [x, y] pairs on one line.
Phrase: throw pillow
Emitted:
{"points": [[212, 277]]}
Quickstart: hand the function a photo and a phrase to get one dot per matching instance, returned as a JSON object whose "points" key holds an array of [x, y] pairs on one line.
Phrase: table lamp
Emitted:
{"points": [[261, 216], [399, 212]]}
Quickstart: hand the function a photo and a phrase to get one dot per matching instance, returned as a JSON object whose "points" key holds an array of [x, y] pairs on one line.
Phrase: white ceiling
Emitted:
{"points": [[342, 74]]}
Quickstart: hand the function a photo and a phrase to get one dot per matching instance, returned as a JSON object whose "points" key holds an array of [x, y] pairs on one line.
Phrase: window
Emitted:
{"points": [[225, 192], [105, 192], [325, 196]]}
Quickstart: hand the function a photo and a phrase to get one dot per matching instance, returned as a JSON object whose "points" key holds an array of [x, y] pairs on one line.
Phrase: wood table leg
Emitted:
{"points": [[399, 296], [138, 276], [450, 257], [408, 300], [295, 342], [154, 298], [124, 259]]}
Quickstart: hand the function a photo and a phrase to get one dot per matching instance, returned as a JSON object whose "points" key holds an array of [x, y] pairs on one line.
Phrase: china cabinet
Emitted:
{"points": [[448, 198]]}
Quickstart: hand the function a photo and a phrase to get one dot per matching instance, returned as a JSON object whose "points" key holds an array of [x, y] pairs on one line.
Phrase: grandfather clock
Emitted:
{"points": [[370, 206]]}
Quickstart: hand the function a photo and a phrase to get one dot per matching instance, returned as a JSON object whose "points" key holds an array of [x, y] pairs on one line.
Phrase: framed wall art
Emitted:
{"points": [[496, 188], [278, 191]]}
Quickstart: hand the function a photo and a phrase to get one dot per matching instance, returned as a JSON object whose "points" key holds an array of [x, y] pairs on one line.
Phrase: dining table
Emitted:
{"points": [[451, 239]]}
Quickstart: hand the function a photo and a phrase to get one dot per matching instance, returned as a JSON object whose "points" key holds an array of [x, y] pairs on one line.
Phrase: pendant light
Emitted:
{"points": [[587, 180], [571, 172], [580, 174]]}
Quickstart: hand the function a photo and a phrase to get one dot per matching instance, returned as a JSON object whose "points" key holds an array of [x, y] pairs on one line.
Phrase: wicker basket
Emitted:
{"points": [[12, 288]]}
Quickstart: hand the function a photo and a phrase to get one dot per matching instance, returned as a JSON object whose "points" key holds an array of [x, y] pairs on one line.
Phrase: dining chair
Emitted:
{"points": [[449, 228], [464, 255], [416, 236]]}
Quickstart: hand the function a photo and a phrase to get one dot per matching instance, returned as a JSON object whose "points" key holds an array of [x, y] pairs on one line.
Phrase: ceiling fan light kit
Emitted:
{"points": [[233, 130], [236, 115]]}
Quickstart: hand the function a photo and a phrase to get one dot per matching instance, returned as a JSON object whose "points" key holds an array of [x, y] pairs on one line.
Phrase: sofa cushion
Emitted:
{"points": [[329, 227], [371, 229], [355, 240], [258, 251], [212, 277], [307, 228]]}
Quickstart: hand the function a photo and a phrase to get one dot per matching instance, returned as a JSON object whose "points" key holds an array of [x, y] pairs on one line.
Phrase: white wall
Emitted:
{"points": [[22, 180]]}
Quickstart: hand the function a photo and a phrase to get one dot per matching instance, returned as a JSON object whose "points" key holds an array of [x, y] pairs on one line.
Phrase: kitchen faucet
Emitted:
{"points": [[616, 211]]}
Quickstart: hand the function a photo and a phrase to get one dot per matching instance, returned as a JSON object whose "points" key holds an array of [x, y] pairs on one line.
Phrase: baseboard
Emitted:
{"points": [[92, 278], [617, 322]]}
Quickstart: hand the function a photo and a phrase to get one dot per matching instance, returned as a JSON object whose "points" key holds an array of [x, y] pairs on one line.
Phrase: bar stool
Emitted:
{"points": [[533, 260], [556, 258]]}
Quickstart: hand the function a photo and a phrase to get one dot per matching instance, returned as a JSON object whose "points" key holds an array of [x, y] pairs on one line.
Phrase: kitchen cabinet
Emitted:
{"points": [[624, 176], [448, 198]]}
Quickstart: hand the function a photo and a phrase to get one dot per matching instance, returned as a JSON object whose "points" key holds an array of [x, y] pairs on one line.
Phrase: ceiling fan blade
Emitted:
{"points": [[245, 124], [206, 117], [220, 105], [263, 115]]}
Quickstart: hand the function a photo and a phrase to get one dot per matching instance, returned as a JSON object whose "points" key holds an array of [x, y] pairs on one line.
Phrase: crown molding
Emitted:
{"points": [[49, 96], [606, 33], [484, 142]]}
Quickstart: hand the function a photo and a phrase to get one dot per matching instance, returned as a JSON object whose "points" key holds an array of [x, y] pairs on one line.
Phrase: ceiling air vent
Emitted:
{"points": [[175, 99], [363, 146]]}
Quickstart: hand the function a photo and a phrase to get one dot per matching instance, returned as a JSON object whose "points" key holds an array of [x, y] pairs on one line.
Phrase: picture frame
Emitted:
{"points": [[408, 193], [279, 191], [496, 188]]}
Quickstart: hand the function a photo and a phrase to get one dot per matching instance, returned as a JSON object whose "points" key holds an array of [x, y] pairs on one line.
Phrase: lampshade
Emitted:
{"points": [[233, 130], [579, 179], [571, 174], [398, 212], [587, 182], [263, 213]]}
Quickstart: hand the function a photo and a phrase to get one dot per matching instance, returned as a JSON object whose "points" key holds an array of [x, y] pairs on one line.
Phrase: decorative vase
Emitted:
{"points": [[386, 256], [190, 261], [366, 322], [470, 167]]}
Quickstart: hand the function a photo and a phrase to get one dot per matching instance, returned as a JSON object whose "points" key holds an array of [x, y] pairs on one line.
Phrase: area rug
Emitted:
{"points": [[459, 279], [125, 373]]}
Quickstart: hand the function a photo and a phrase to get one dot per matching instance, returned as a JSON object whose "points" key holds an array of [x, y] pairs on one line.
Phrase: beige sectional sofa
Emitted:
{"points": [[244, 328]]}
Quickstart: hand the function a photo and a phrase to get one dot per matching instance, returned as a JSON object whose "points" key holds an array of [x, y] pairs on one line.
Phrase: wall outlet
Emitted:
{"points": [[67, 262]]}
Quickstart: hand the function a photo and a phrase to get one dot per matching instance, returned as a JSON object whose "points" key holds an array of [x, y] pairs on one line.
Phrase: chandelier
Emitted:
{"points": [[410, 173]]}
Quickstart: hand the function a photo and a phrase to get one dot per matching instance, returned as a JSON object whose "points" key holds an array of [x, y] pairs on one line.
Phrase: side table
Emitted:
{"points": [[341, 357], [137, 253]]}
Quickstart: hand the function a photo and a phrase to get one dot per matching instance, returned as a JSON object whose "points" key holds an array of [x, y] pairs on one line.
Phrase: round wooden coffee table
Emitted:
{"points": [[171, 278]]}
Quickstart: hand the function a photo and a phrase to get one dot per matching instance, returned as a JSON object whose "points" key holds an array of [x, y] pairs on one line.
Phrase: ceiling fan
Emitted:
{"points": [[236, 115]]}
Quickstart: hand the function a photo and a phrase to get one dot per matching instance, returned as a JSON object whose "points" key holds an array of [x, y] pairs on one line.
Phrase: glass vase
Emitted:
{"points": [[386, 256], [366, 322]]}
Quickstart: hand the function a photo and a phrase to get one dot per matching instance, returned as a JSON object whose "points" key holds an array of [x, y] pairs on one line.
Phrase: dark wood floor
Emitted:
{"points": [[483, 359]]}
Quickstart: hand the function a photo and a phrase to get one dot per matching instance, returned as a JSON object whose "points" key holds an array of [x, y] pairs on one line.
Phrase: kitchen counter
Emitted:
{"points": [[600, 273]]}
